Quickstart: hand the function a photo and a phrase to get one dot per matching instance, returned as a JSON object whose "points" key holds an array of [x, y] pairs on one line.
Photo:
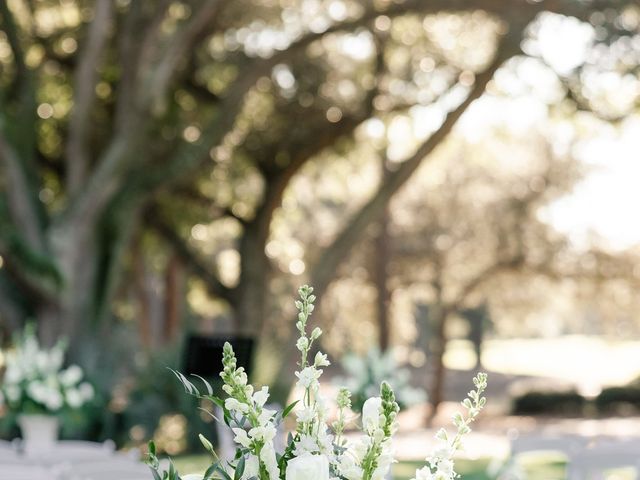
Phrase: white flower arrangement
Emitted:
{"points": [[316, 450], [34, 381]]}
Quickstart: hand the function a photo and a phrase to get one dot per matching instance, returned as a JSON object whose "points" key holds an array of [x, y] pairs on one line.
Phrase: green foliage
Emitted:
{"points": [[617, 400], [568, 403]]}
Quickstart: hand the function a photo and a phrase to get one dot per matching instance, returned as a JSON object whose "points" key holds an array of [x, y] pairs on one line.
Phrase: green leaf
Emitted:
{"points": [[217, 400], [239, 469], [210, 471], [152, 448], [222, 472], [156, 475], [290, 407], [207, 384]]}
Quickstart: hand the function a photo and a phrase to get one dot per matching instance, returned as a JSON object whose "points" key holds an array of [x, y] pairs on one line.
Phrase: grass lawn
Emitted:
{"points": [[538, 468]]}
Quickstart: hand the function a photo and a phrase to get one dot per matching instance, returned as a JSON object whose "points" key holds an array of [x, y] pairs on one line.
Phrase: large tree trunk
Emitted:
{"points": [[69, 314], [436, 392], [251, 293], [381, 275], [173, 293]]}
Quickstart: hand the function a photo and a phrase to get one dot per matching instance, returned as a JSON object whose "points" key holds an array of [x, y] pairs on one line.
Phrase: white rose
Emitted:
{"points": [[308, 467], [371, 411], [305, 415], [192, 476]]}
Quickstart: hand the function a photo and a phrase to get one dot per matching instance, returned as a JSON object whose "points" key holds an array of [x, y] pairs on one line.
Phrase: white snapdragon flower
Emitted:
{"points": [[268, 458], [261, 396], [372, 414], [264, 433], [234, 405], [424, 473], [325, 442], [322, 409], [251, 467], [306, 444], [321, 360], [266, 416], [349, 469], [305, 415], [308, 467], [445, 467], [308, 377], [241, 437]]}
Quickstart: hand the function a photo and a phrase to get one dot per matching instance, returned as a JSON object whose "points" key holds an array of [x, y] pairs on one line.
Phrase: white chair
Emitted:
{"points": [[564, 444], [26, 472], [605, 454], [108, 470], [75, 450], [593, 465]]}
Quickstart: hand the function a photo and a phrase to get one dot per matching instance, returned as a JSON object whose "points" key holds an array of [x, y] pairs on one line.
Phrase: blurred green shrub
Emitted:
{"points": [[619, 400], [568, 403]]}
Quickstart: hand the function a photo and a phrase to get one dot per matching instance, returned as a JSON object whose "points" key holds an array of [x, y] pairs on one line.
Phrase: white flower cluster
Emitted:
{"points": [[34, 380], [244, 402], [313, 451], [371, 456]]}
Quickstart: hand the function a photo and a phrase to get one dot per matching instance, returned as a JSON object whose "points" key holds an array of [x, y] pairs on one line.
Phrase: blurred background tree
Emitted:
{"points": [[164, 161]]}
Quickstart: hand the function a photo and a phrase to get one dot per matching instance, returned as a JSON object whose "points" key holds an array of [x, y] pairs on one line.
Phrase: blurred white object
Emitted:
{"points": [[602, 455], [26, 472], [77, 451], [568, 445], [107, 469], [39, 432]]}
